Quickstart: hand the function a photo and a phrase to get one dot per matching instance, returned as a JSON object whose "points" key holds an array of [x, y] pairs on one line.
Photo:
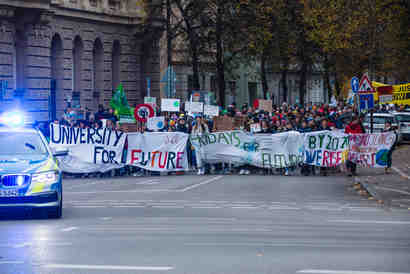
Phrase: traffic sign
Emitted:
{"points": [[354, 83], [366, 101], [365, 85], [142, 112]]}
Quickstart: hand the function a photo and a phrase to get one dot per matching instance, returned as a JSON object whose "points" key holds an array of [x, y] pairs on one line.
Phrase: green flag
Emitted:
{"points": [[120, 104]]}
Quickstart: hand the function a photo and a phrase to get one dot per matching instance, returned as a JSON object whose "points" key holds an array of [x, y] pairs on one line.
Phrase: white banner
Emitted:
{"points": [[326, 148], [156, 123], [89, 149], [158, 151], [370, 150], [211, 110], [240, 148], [171, 105]]}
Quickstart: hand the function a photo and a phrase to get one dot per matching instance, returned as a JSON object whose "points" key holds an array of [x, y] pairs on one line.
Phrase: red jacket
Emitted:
{"points": [[354, 129]]}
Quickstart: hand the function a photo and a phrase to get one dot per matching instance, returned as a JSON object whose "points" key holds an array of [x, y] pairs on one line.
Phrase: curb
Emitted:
{"points": [[369, 189]]}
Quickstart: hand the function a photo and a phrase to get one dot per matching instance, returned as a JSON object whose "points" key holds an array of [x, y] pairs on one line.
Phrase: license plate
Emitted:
{"points": [[9, 193]]}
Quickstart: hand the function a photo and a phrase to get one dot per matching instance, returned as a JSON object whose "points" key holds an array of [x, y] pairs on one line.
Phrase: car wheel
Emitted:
{"points": [[56, 212]]}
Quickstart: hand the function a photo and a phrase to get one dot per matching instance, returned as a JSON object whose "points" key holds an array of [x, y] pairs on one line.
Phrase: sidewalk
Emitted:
{"points": [[393, 189]]}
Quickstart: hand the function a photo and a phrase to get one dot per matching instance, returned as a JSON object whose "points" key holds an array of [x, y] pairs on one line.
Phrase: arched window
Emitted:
{"points": [[57, 76], [78, 48], [98, 73], [20, 61], [115, 65]]}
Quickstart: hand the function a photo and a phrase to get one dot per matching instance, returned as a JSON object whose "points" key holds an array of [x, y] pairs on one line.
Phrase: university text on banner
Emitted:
{"points": [[89, 149]]}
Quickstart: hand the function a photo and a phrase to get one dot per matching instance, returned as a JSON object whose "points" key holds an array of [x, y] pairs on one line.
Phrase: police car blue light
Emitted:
{"points": [[29, 172]]}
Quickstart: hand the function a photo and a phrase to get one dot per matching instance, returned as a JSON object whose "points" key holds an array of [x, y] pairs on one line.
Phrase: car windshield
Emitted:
{"points": [[379, 119], [403, 118], [22, 143]]}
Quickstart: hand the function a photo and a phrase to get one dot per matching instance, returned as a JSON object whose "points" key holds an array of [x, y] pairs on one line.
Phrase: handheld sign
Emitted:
{"points": [[142, 112], [171, 105]]}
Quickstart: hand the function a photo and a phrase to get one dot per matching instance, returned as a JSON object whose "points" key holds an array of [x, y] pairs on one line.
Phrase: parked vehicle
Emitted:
{"points": [[403, 119]]}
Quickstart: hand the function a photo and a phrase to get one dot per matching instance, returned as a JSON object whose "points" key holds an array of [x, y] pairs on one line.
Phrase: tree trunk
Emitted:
{"points": [[327, 80], [302, 84], [265, 87], [195, 66], [284, 81], [337, 88], [220, 67]]}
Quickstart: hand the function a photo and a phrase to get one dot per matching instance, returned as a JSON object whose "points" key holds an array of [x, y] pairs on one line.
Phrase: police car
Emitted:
{"points": [[29, 173]]}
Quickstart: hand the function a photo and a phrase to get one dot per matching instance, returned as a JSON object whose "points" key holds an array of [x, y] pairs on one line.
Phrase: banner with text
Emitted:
{"points": [[89, 149], [326, 148], [371, 150], [158, 151], [240, 148]]}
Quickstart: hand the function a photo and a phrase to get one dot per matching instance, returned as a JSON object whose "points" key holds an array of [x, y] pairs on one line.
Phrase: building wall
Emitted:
{"points": [[33, 52]]}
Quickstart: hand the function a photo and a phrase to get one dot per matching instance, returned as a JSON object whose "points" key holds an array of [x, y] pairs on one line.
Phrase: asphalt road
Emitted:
{"points": [[210, 224]]}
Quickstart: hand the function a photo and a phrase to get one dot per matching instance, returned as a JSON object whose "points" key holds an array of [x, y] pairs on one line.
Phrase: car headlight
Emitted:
{"points": [[48, 177]]}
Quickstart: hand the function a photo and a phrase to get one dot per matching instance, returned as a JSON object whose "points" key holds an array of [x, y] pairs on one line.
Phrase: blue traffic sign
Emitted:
{"points": [[355, 84], [366, 101]]}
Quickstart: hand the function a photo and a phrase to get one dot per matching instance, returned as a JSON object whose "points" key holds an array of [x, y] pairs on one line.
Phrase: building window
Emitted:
{"points": [[213, 84], [20, 61], [93, 3], [98, 73], [190, 83], [115, 64], [77, 65]]}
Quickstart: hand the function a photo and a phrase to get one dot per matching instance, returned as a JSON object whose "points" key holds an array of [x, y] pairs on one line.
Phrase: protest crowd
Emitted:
{"points": [[284, 118]]}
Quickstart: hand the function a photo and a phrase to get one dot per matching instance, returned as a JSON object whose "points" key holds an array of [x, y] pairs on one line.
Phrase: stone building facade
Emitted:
{"points": [[59, 52]]}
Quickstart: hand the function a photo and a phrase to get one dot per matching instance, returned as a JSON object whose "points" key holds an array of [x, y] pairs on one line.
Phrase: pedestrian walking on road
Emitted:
{"points": [[387, 128]]}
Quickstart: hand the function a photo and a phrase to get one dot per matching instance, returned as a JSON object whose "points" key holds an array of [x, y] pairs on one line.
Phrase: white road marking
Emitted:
{"points": [[200, 184], [401, 172], [165, 206], [108, 267], [106, 218], [128, 206], [11, 262], [68, 229], [88, 206], [283, 207], [205, 207], [393, 190], [29, 244], [370, 222], [244, 207], [322, 271], [120, 191]]}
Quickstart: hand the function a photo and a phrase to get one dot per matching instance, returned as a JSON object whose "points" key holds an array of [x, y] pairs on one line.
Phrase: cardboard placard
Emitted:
{"points": [[222, 123], [156, 123], [265, 105]]}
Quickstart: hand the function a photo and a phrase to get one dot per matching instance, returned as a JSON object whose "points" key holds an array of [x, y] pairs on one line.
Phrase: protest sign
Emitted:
{"points": [[237, 147], [152, 101], [171, 105], [265, 105], [255, 128], [371, 150], [223, 123], [325, 148], [156, 123], [211, 110], [196, 107], [157, 151], [89, 149]]}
